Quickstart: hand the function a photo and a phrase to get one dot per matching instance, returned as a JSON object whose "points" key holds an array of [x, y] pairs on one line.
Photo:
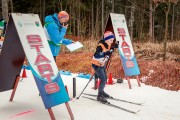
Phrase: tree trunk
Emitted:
{"points": [[74, 20], [89, 21], [153, 26], [172, 25], [141, 36], [166, 30], [132, 21], [150, 21], [40, 10], [12, 9], [70, 14], [97, 20], [5, 9], [79, 19], [102, 19], [92, 20], [113, 6], [61, 5], [54, 7], [44, 8], [67, 3]]}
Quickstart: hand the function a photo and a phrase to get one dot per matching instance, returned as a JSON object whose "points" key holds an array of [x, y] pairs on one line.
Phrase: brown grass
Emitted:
{"points": [[172, 47], [161, 74], [154, 71], [75, 62]]}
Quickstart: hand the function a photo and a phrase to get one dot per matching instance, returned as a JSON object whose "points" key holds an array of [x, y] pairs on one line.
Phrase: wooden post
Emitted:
{"points": [[69, 110], [51, 114], [95, 82], [14, 88]]}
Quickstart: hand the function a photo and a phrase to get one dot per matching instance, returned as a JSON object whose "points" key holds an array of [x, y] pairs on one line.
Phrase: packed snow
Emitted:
{"points": [[158, 104]]}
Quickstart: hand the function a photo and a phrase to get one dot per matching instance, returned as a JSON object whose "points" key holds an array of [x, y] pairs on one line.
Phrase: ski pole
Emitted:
{"points": [[86, 85], [105, 59]]}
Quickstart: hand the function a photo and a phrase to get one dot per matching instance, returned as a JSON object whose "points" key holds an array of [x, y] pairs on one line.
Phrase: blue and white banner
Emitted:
{"points": [[40, 59], [126, 51]]}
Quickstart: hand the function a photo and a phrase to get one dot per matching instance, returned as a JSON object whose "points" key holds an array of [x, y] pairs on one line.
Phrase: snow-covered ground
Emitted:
{"points": [[27, 105]]}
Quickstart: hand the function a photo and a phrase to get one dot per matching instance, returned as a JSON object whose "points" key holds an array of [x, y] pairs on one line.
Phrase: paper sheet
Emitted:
{"points": [[74, 46]]}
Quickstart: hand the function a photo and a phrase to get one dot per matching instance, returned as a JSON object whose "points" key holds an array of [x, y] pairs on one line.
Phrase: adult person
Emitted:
{"points": [[55, 29]]}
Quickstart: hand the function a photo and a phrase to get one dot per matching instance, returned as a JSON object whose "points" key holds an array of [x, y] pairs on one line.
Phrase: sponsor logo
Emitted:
{"points": [[28, 24], [123, 21], [20, 24], [117, 21], [37, 24]]}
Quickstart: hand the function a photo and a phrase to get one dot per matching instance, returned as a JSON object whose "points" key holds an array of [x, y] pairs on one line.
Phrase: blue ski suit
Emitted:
{"points": [[55, 33]]}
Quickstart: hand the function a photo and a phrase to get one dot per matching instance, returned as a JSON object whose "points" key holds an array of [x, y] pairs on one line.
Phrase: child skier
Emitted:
{"points": [[103, 51]]}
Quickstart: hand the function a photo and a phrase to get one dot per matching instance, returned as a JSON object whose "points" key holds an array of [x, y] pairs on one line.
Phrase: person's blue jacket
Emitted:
{"points": [[56, 33]]}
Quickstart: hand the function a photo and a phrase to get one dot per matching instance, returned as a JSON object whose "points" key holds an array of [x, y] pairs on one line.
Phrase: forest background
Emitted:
{"points": [[154, 28]]}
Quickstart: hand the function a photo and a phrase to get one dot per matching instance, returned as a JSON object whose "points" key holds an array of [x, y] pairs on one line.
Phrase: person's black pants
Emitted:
{"points": [[101, 74]]}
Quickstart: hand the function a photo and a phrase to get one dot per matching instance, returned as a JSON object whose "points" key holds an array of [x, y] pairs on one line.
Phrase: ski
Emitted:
{"points": [[112, 98], [112, 105]]}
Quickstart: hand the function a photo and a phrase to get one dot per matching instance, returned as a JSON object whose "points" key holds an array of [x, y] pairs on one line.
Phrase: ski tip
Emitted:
{"points": [[137, 111], [141, 103]]}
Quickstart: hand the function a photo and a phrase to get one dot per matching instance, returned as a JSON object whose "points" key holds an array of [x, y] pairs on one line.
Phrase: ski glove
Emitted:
{"points": [[116, 45]]}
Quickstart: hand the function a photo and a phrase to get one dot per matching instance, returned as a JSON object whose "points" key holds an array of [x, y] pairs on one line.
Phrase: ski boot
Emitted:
{"points": [[106, 95], [101, 98]]}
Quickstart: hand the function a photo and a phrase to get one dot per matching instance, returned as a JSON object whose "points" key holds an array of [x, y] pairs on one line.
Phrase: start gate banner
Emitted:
{"points": [[126, 51], [41, 61]]}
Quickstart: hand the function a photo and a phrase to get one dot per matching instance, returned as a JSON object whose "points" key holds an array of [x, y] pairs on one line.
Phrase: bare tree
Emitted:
{"points": [[150, 20], [74, 20], [172, 24], [40, 10], [132, 20], [60, 1], [12, 9], [92, 19], [166, 29], [166, 10], [79, 19], [113, 2], [44, 9], [5, 9], [97, 26], [102, 19]]}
